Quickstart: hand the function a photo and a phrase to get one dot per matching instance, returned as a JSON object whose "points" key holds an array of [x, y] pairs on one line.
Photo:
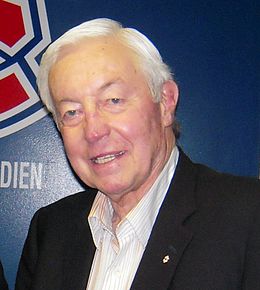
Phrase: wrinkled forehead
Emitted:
{"points": [[95, 57], [92, 63]]}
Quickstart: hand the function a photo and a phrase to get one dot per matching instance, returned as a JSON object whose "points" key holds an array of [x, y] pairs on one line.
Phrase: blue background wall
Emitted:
{"points": [[213, 50]]}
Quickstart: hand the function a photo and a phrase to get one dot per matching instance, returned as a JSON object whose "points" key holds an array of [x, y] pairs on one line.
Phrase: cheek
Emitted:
{"points": [[72, 142], [142, 129], [149, 125], [132, 127]]}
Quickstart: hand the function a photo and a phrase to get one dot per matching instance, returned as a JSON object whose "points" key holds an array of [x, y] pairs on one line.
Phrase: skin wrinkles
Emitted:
{"points": [[132, 133]]}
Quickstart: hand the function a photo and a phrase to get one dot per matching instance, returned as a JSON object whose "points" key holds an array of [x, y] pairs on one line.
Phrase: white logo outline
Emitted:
{"points": [[30, 59]]}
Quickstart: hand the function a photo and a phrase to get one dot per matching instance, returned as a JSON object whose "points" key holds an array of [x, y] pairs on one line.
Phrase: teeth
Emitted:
{"points": [[107, 158]]}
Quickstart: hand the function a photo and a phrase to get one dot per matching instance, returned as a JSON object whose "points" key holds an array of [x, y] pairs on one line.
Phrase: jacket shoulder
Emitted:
{"points": [[226, 181], [66, 209], [240, 195], [211, 186]]}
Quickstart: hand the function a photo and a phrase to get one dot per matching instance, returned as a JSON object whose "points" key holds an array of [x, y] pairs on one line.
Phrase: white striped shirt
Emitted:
{"points": [[118, 254]]}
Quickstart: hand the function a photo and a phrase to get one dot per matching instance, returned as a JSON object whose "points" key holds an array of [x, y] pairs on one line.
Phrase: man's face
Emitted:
{"points": [[116, 138]]}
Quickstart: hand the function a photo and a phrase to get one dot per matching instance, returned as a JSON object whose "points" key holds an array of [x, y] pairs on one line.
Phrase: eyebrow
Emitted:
{"points": [[64, 102], [109, 84]]}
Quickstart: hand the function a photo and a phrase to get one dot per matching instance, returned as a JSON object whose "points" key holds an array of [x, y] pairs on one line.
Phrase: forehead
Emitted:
{"points": [[94, 49], [93, 62]]}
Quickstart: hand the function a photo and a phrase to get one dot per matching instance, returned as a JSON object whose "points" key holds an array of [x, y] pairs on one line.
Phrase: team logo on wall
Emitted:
{"points": [[24, 33]]}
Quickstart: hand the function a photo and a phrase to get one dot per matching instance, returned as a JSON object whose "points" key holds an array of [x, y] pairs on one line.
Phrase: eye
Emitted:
{"points": [[114, 104], [72, 117], [115, 101], [70, 113]]}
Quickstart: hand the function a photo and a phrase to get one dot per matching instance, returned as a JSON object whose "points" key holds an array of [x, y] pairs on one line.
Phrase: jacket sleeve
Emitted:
{"points": [[251, 277]]}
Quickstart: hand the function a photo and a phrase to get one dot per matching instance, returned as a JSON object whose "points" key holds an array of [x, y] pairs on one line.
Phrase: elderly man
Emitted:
{"points": [[151, 219]]}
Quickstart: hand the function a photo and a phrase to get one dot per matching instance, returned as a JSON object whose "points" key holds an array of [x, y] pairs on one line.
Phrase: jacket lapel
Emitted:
{"points": [[169, 237]]}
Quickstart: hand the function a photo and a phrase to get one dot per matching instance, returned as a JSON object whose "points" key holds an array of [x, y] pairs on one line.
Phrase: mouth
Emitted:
{"points": [[107, 158]]}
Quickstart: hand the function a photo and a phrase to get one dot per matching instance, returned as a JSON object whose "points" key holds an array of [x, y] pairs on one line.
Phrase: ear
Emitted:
{"points": [[169, 101]]}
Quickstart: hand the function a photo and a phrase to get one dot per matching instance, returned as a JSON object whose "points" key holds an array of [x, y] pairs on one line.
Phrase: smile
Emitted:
{"points": [[107, 158]]}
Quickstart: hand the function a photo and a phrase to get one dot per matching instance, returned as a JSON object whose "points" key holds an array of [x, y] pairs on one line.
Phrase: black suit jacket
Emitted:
{"points": [[208, 228], [3, 284]]}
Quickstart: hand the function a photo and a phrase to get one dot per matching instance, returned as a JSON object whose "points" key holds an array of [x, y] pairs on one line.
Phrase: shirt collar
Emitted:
{"points": [[148, 207]]}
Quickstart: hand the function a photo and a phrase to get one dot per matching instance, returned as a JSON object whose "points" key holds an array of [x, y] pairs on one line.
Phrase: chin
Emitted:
{"points": [[112, 189]]}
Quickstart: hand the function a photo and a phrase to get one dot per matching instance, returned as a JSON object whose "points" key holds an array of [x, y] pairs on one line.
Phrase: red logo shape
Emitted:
{"points": [[12, 93], [11, 23]]}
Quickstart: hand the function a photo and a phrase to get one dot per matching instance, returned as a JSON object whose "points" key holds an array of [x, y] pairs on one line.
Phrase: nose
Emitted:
{"points": [[96, 127]]}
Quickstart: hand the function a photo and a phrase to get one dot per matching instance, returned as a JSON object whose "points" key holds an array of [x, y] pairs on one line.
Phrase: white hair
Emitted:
{"points": [[149, 59]]}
